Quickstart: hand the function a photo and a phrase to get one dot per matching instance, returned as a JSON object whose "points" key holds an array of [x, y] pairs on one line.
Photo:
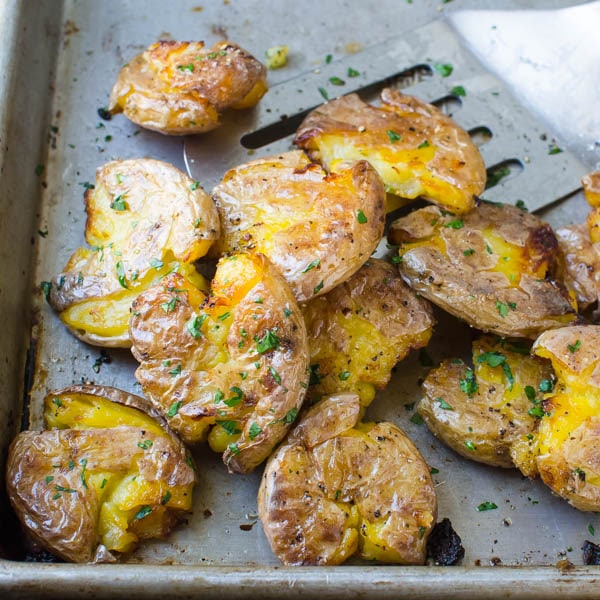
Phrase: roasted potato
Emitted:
{"points": [[417, 149], [108, 474], [336, 488], [582, 263], [359, 330], [180, 88], [317, 229], [234, 362], [489, 412], [569, 433], [591, 188], [497, 267], [145, 219]]}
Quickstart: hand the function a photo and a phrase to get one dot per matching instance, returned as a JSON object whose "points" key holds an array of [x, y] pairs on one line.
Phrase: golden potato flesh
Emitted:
{"points": [[591, 188], [569, 433], [496, 267], [489, 412], [180, 88], [317, 229], [582, 263], [417, 150], [359, 330], [145, 219], [234, 362], [336, 488], [106, 476]]}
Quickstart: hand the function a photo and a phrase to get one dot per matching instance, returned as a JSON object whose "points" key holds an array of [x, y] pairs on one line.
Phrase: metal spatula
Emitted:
{"points": [[524, 162]]}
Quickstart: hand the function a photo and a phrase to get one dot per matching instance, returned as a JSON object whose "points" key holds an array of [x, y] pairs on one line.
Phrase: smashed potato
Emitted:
{"points": [[569, 433], [108, 474], [234, 362], [336, 488], [317, 229], [497, 267], [145, 219], [359, 330], [489, 412], [417, 149], [180, 88]]}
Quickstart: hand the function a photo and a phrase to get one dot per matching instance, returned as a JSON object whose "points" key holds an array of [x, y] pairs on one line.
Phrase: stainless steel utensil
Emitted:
{"points": [[530, 165]]}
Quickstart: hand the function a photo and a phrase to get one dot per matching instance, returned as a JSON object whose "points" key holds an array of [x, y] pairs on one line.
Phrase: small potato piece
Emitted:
{"points": [[591, 188], [569, 434], [489, 413], [359, 330], [235, 361], [336, 488], [180, 88], [582, 263], [145, 219], [317, 229], [106, 476], [417, 150], [496, 267]]}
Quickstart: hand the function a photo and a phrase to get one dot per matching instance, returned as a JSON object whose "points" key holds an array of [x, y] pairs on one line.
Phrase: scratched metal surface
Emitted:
{"points": [[71, 73]]}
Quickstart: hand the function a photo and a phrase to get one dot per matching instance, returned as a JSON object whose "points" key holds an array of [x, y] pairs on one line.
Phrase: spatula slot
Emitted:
{"points": [[448, 104], [481, 135], [288, 124], [503, 171]]}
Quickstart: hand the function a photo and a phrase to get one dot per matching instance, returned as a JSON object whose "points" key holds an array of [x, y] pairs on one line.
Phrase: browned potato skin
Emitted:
{"points": [[456, 167], [173, 217], [324, 463], [582, 263], [160, 335], [398, 322], [179, 88], [468, 286], [570, 434], [494, 423], [291, 210], [66, 526]]}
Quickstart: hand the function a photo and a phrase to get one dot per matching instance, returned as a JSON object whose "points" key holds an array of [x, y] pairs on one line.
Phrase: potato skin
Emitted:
{"points": [[569, 434], [417, 150], [237, 358], [359, 330], [497, 267], [54, 476], [144, 217], [180, 88], [331, 482], [317, 229], [482, 414]]}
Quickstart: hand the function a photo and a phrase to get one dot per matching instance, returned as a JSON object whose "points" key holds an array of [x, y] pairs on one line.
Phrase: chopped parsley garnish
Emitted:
{"points": [[290, 415], [234, 400], [495, 359], [121, 274], [194, 186], [66, 490], [417, 419], [176, 371], [311, 265], [353, 72], [433, 470], [487, 505], [231, 427], [287, 312], [424, 144], [574, 347], [336, 81], [361, 217], [554, 149], [46, 287], [275, 375], [224, 316], [318, 287], [443, 404], [344, 375], [49, 478], [328, 58], [422, 531], [189, 68], [546, 385], [468, 383], [269, 341], [145, 445], [143, 512], [174, 408], [470, 445], [444, 69], [170, 305], [254, 431], [591, 529], [458, 90], [495, 175], [233, 448], [194, 324], [455, 224], [323, 93], [166, 498], [394, 137], [315, 377], [520, 204], [503, 308]]}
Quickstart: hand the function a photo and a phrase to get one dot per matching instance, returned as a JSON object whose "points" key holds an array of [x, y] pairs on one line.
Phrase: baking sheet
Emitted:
{"points": [[61, 61]]}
